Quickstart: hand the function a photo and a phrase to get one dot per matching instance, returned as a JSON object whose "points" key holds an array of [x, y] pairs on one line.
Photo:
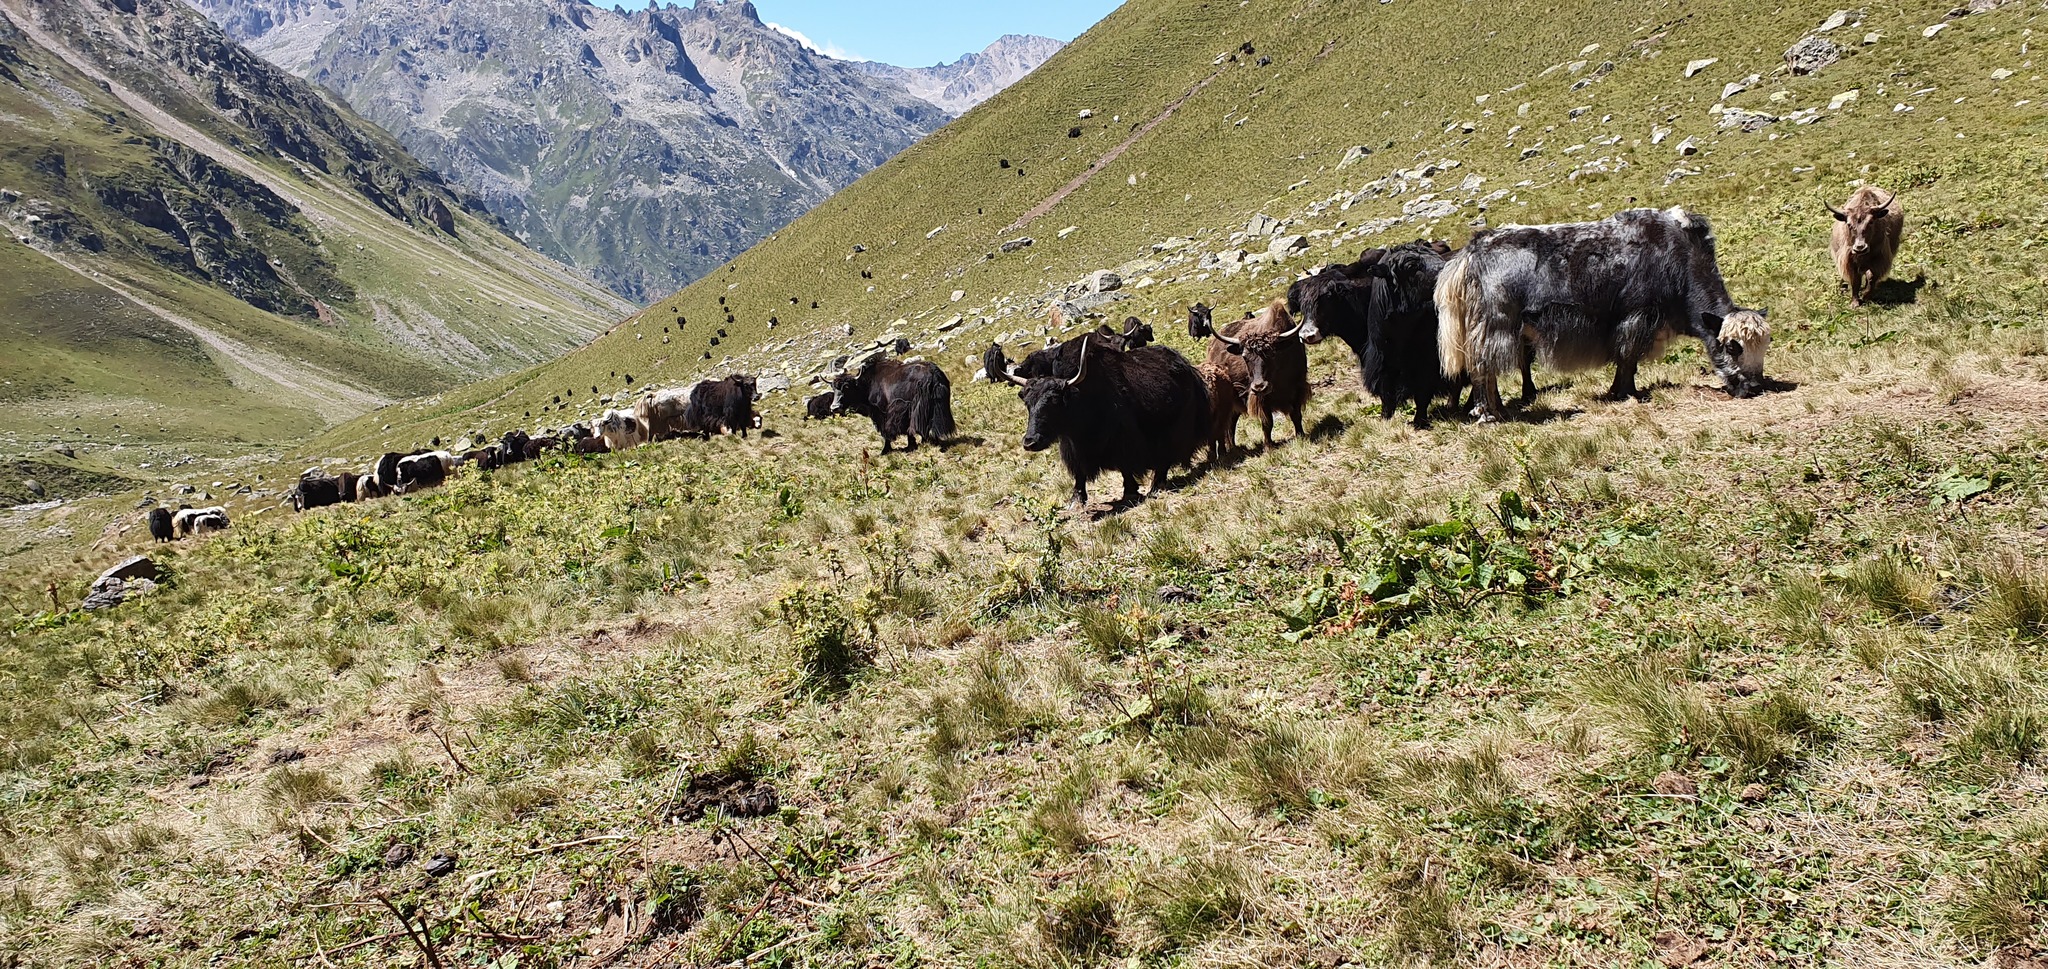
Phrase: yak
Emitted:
{"points": [[512, 448], [1865, 239], [661, 412], [820, 407], [1141, 411], [315, 489], [420, 471], [721, 406], [904, 399], [620, 430], [1592, 293], [1226, 405], [160, 524], [1383, 307], [1275, 364]]}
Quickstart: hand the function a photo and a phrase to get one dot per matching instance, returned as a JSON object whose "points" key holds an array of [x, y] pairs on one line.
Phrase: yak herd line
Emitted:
{"points": [[1425, 321]]}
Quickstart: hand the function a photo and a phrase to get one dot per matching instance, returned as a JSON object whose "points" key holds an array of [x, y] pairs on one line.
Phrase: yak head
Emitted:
{"points": [[844, 387], [1867, 209], [1046, 400], [1137, 334], [1260, 341], [1737, 350], [1200, 317], [995, 363], [1323, 298]]}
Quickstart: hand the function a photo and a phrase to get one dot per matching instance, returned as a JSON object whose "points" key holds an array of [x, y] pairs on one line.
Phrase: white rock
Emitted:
{"points": [[1931, 31], [1353, 155], [1872, 38], [959, 294], [1689, 146], [2000, 74], [1694, 67], [1733, 88], [1834, 21], [1069, 230], [1086, 113], [1835, 103], [1658, 134]]}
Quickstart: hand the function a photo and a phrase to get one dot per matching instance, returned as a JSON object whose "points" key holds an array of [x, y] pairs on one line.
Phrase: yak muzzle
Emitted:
{"points": [[1036, 442]]}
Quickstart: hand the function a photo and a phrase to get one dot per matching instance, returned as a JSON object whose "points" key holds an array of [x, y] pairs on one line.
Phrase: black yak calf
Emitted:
{"points": [[1144, 411], [908, 400], [820, 407]]}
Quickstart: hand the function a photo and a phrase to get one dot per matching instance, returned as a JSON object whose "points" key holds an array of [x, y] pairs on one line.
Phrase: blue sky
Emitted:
{"points": [[919, 33]]}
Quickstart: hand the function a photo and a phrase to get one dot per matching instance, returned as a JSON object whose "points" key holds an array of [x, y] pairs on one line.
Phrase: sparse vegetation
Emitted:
{"points": [[1756, 678]]}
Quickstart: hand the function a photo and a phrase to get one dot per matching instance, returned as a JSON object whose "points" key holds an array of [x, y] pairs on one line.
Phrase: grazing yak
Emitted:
{"points": [[420, 471], [1592, 293], [661, 412], [1866, 240], [315, 489], [1136, 412], [160, 525], [194, 521], [908, 400], [1274, 361], [1383, 307], [620, 430], [721, 406], [512, 448], [820, 407]]}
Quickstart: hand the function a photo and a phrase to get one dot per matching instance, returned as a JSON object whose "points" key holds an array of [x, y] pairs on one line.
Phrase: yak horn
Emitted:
{"points": [[1837, 213], [1289, 335], [1082, 370], [1013, 378], [1218, 334]]}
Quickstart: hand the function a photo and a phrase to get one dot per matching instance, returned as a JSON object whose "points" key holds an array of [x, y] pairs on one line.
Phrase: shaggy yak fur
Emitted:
{"points": [[1136, 412], [721, 406], [1866, 239], [908, 400], [1589, 294]]}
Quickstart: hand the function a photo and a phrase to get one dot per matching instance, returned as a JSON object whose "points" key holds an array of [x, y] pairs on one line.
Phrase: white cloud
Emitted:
{"points": [[829, 50]]}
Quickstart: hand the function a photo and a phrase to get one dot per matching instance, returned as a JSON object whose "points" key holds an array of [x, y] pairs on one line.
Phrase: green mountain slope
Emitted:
{"points": [[203, 248], [1686, 682], [1532, 118]]}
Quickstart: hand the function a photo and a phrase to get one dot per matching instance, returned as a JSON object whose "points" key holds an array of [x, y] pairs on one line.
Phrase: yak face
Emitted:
{"points": [[1200, 318], [1737, 350], [1137, 334], [842, 388], [1045, 404], [747, 387], [1314, 300], [1862, 221]]}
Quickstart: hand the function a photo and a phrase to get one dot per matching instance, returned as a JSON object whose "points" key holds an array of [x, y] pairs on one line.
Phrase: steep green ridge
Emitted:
{"points": [[204, 248], [1253, 140]]}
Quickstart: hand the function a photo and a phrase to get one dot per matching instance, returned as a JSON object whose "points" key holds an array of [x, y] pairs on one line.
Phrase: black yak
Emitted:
{"points": [[819, 407], [1865, 239], [1592, 293], [315, 489], [910, 400], [1136, 412], [721, 406], [160, 524]]}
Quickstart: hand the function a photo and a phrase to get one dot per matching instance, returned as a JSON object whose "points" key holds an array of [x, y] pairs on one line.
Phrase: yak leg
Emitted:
{"points": [[1422, 409], [1130, 488], [1528, 378], [1295, 416], [1080, 496], [1624, 383], [1486, 398], [1158, 482], [1387, 405], [1266, 424]]}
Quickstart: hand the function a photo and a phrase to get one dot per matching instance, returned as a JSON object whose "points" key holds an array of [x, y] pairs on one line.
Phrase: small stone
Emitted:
{"points": [[1284, 246], [442, 865], [286, 755], [1931, 31], [1104, 281], [1674, 784], [1019, 243], [1069, 230], [1690, 146], [397, 855], [1812, 54], [1835, 103], [2000, 74], [1086, 113], [1752, 793], [1692, 68], [1733, 88], [1262, 225], [1353, 155], [1872, 38]]}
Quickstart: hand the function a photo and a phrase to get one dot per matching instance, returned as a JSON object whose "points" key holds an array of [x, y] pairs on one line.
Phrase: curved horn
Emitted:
{"points": [[1082, 370], [1218, 334], [1837, 213], [1290, 334], [1013, 378]]}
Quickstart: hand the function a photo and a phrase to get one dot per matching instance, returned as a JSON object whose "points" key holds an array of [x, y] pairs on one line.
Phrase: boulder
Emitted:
{"points": [[1690, 146], [137, 567], [1811, 54], [109, 591], [1353, 155], [1262, 225], [1022, 242], [1693, 68], [1284, 246], [1104, 281]]}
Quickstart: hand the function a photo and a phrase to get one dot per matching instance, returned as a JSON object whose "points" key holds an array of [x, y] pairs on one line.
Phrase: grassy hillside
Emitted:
{"points": [[1692, 682], [204, 249]]}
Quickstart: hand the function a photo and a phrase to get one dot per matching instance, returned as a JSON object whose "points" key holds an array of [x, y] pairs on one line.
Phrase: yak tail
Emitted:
{"points": [[932, 415], [1458, 317]]}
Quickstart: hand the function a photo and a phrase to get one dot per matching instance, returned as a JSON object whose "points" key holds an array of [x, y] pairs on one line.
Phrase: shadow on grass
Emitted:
{"points": [[1898, 292], [1329, 428]]}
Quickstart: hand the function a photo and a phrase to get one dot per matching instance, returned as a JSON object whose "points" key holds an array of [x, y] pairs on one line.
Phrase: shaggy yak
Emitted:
{"points": [[819, 407], [1593, 293], [1866, 239], [160, 524], [721, 406], [1382, 306], [1136, 412], [661, 412], [908, 400]]}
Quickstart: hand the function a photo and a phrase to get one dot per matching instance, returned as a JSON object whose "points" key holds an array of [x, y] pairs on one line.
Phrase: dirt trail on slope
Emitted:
{"points": [[1113, 154]]}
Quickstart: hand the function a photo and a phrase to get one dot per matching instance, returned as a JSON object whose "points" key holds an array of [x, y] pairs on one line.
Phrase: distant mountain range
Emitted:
{"points": [[646, 148]]}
